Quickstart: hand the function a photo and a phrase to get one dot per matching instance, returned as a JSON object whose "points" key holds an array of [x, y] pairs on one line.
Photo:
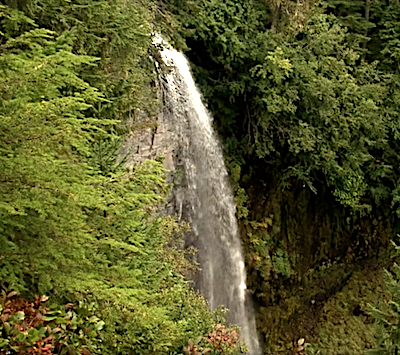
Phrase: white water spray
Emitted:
{"points": [[208, 199]]}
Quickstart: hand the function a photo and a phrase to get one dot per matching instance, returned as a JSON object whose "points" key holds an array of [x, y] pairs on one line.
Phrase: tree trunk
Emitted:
{"points": [[276, 5], [367, 16]]}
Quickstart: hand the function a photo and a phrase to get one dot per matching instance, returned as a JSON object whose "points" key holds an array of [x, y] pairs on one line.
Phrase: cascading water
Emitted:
{"points": [[207, 197]]}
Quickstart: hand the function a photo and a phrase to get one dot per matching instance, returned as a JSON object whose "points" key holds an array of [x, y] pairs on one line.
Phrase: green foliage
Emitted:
{"points": [[306, 99], [75, 224], [118, 33], [347, 326], [219, 342], [304, 93], [387, 16], [309, 101], [281, 263], [356, 16], [386, 315], [241, 198], [44, 135]]}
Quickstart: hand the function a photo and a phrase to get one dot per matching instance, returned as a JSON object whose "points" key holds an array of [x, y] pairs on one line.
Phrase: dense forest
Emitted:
{"points": [[306, 99]]}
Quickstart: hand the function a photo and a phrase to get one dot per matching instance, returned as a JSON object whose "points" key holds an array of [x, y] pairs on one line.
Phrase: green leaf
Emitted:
{"points": [[99, 326], [3, 342]]}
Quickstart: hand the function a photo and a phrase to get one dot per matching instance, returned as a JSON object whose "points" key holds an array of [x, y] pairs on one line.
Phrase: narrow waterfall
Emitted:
{"points": [[207, 198]]}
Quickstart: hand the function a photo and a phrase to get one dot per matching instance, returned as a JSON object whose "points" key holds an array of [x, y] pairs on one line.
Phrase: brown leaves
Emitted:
{"points": [[223, 337], [222, 340], [193, 349], [33, 311]]}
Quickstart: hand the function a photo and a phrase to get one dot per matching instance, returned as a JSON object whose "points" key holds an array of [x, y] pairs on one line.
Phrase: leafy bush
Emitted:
{"points": [[37, 328], [221, 341], [75, 224], [387, 316]]}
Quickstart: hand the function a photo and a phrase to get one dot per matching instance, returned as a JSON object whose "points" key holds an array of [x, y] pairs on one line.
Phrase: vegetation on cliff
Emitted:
{"points": [[305, 95], [76, 226]]}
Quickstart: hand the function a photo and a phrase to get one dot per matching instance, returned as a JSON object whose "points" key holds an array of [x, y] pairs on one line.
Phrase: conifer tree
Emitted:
{"points": [[74, 223], [355, 15]]}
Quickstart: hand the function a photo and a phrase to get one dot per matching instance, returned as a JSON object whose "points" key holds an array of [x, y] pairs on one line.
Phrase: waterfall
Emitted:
{"points": [[207, 197]]}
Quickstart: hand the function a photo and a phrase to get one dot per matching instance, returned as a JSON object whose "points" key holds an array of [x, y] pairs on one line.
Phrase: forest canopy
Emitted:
{"points": [[87, 263], [305, 96]]}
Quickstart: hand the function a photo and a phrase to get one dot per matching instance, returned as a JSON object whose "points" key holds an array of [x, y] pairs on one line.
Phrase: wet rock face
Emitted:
{"points": [[149, 139]]}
